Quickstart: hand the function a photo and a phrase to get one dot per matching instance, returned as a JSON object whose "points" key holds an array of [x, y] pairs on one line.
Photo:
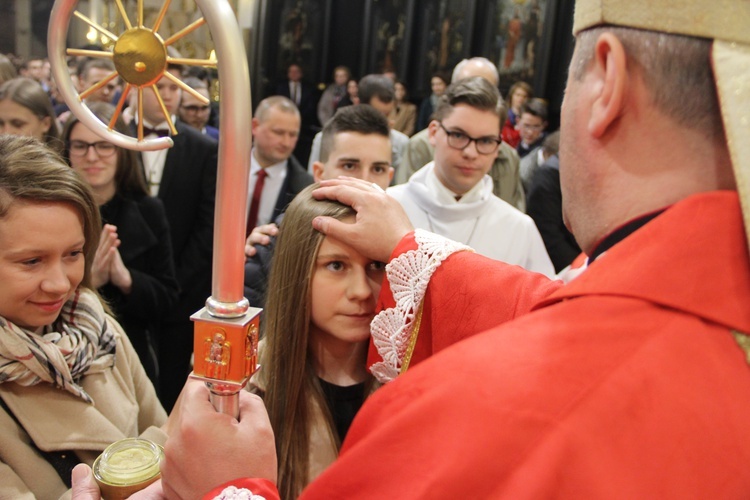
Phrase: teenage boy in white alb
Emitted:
{"points": [[452, 195]]}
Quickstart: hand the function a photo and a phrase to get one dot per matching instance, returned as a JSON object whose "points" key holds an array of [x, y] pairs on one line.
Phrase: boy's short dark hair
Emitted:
{"points": [[477, 92], [87, 64], [551, 144], [359, 118], [379, 86], [536, 107]]}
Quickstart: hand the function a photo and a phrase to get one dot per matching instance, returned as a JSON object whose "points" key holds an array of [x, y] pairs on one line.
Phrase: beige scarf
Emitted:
{"points": [[78, 343]]}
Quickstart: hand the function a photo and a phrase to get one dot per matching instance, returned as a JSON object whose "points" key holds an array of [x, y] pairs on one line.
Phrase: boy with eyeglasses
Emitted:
{"points": [[532, 126], [452, 195], [195, 113]]}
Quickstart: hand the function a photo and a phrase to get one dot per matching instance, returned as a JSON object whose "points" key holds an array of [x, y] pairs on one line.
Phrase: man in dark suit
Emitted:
{"points": [[184, 178], [275, 175], [305, 97]]}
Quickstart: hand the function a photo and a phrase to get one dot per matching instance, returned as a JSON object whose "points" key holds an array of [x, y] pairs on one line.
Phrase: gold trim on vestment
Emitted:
{"points": [[412, 339], [744, 342]]}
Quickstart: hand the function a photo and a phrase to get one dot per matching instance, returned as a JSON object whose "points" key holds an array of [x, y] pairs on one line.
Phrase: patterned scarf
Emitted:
{"points": [[78, 343]]}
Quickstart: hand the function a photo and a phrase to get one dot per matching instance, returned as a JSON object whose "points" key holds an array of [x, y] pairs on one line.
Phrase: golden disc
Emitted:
{"points": [[140, 57]]}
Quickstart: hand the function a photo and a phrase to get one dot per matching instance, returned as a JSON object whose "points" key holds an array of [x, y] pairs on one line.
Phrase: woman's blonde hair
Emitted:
{"points": [[31, 172], [292, 382]]}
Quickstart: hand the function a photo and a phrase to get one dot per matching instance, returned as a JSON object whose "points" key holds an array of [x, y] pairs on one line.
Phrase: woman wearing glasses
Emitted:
{"points": [[133, 268]]}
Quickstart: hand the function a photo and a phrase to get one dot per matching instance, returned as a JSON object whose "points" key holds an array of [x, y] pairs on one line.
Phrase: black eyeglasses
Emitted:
{"points": [[459, 140], [195, 109], [102, 148]]}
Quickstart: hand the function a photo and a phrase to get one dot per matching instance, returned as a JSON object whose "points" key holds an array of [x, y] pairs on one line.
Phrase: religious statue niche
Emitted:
{"points": [[300, 36], [216, 353], [391, 35], [444, 34]]}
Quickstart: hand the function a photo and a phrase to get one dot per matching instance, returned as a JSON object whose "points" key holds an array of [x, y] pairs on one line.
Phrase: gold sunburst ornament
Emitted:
{"points": [[141, 59]]}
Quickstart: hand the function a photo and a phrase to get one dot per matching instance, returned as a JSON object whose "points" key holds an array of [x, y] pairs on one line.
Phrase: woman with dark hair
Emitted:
{"points": [[403, 117], [133, 267], [352, 94]]}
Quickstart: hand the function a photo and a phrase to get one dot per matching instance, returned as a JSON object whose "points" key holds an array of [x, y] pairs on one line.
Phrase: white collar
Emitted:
{"points": [[429, 193], [448, 197], [274, 170]]}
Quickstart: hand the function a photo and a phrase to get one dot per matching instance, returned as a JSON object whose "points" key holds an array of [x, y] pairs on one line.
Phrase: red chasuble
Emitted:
{"points": [[625, 383], [628, 382]]}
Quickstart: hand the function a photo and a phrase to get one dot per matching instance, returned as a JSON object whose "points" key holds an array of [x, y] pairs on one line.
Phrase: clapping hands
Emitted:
{"points": [[108, 266]]}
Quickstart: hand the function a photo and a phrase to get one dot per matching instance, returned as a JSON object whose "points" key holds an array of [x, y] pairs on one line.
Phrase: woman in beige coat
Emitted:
{"points": [[70, 381], [403, 116]]}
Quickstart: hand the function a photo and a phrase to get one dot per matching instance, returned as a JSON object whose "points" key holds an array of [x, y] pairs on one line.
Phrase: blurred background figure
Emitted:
{"points": [[438, 83], [532, 125], [133, 268], [403, 117], [275, 174], [25, 109], [305, 96], [34, 68], [94, 71], [7, 69], [517, 96], [333, 94], [544, 205], [209, 80], [376, 90], [195, 113], [90, 72], [352, 94]]}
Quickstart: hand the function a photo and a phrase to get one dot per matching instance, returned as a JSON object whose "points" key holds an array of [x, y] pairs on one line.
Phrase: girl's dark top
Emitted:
{"points": [[344, 403]]}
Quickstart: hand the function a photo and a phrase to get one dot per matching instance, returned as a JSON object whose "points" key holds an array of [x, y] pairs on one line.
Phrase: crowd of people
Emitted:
{"points": [[456, 302]]}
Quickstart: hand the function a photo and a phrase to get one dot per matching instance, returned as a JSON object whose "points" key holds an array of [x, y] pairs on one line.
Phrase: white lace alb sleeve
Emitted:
{"points": [[408, 275]]}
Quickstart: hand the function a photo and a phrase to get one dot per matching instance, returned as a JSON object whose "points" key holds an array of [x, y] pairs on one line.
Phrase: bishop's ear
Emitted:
{"points": [[611, 83]]}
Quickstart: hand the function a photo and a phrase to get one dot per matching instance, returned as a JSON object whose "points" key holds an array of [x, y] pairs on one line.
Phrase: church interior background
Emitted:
{"points": [[527, 39]]}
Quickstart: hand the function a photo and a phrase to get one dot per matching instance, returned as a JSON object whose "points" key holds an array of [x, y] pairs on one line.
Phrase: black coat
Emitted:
{"points": [[308, 102], [188, 191], [544, 205], [297, 179], [146, 251]]}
